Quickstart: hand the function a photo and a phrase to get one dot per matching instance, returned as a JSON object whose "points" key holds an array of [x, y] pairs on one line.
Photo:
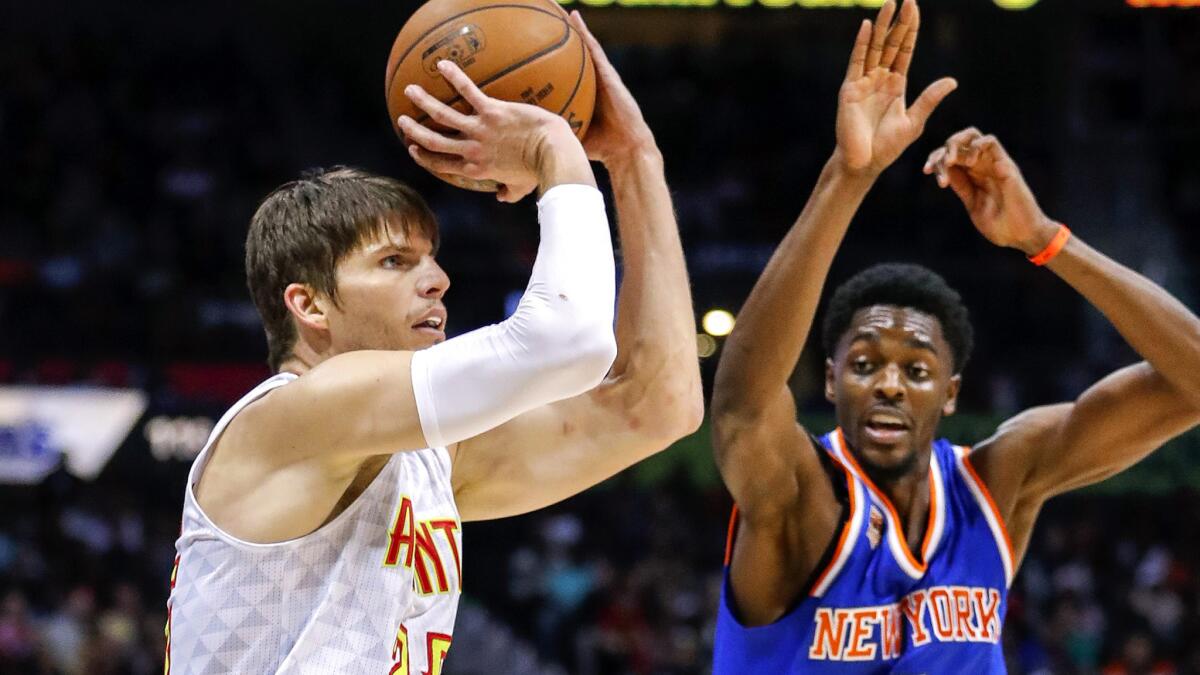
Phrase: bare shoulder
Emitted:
{"points": [[1007, 462], [779, 542], [250, 492]]}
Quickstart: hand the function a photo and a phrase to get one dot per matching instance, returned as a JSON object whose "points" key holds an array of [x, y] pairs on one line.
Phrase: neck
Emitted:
{"points": [[302, 359], [907, 488], [908, 492]]}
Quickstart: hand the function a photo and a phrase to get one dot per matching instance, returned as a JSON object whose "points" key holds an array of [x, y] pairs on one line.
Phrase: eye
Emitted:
{"points": [[395, 262], [861, 365], [918, 372]]}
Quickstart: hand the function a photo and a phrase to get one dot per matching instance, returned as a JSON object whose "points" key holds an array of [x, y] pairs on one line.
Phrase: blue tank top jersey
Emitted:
{"points": [[874, 607]]}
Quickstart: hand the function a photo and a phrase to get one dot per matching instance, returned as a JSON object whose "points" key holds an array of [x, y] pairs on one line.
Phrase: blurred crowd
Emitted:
{"points": [[621, 580], [136, 140]]}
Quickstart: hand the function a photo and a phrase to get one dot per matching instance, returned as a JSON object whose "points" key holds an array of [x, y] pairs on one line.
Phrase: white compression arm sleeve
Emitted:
{"points": [[559, 343]]}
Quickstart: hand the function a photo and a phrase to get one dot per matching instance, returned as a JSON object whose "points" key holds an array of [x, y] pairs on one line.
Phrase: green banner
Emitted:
{"points": [[1173, 466]]}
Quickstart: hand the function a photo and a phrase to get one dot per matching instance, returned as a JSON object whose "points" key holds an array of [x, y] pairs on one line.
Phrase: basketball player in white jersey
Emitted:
{"points": [[321, 525]]}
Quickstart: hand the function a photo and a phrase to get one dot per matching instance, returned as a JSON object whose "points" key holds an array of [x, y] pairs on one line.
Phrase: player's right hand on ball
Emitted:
{"points": [[618, 131], [522, 147], [874, 123]]}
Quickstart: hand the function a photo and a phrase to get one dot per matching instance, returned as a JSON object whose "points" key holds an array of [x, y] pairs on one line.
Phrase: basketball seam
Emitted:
{"points": [[582, 68], [424, 35], [508, 70], [578, 79]]}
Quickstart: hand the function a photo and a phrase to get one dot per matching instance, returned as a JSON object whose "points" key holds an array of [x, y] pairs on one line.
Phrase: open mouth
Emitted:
{"points": [[432, 323], [886, 427]]}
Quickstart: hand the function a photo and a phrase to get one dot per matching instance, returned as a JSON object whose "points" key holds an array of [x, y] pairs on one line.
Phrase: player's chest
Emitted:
{"points": [[877, 612]]}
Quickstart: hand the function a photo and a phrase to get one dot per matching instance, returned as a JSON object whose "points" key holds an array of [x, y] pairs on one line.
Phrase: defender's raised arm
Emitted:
{"points": [[1122, 418], [786, 504]]}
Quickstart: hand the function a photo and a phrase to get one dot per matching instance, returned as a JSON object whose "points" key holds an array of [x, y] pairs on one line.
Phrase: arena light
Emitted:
{"points": [[717, 322], [803, 4], [706, 345], [1148, 4]]}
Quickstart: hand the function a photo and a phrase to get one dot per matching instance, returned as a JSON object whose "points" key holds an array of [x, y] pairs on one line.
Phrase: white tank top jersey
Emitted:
{"points": [[374, 591]]}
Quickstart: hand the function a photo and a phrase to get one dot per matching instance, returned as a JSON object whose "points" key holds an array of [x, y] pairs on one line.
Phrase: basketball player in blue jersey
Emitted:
{"points": [[879, 548]]}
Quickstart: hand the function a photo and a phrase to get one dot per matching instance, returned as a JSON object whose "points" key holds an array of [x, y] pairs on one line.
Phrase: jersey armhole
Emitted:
{"points": [[991, 512], [838, 478]]}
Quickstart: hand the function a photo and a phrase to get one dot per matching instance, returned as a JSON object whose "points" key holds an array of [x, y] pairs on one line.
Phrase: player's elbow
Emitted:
{"points": [[692, 416], [573, 345], [664, 389], [577, 356], [686, 407], [595, 351], [673, 412]]}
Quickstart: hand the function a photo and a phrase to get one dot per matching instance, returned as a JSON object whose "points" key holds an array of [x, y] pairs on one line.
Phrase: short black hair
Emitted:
{"points": [[902, 285]]}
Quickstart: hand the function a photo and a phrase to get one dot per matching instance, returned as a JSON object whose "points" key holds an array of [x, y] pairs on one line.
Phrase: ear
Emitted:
{"points": [[829, 388], [951, 404], [307, 306]]}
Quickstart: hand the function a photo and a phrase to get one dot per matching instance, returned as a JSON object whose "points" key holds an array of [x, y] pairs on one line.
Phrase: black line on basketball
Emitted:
{"points": [[424, 35], [582, 68]]}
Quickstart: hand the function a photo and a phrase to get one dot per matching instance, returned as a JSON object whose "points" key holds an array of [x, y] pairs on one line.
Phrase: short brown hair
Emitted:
{"points": [[304, 228]]}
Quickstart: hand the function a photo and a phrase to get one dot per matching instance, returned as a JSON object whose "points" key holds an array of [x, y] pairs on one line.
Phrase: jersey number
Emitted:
{"points": [[436, 646]]}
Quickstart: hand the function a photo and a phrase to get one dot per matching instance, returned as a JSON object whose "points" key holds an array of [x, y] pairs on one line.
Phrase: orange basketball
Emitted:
{"points": [[515, 50]]}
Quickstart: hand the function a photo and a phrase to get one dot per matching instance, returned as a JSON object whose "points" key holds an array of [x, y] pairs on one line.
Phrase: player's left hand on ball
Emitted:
{"points": [[618, 129], [1001, 205], [500, 141]]}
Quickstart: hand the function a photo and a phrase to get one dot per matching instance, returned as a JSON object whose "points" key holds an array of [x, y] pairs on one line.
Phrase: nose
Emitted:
{"points": [[889, 386], [434, 282]]}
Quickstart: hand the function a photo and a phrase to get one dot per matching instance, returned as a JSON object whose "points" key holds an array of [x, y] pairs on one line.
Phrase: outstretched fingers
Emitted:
{"points": [[898, 34], [882, 24], [908, 46], [858, 56], [921, 109]]}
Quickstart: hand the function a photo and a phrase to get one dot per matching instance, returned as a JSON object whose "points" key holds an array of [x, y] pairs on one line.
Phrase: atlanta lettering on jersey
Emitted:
{"points": [[940, 613], [415, 540]]}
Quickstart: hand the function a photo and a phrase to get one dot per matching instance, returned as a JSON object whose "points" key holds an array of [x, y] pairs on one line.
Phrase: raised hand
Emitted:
{"points": [[618, 130], [522, 147], [874, 124], [991, 187]]}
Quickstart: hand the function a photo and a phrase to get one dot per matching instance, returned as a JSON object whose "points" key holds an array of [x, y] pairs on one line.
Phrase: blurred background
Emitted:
{"points": [[136, 139]]}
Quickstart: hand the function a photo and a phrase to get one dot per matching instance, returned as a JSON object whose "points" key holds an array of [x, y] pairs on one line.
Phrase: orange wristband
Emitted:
{"points": [[1053, 248]]}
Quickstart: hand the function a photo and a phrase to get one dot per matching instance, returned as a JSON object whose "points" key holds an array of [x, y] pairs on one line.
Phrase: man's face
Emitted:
{"points": [[390, 293], [891, 380]]}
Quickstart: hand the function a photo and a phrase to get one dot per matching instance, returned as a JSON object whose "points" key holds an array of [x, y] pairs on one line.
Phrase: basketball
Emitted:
{"points": [[517, 50]]}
